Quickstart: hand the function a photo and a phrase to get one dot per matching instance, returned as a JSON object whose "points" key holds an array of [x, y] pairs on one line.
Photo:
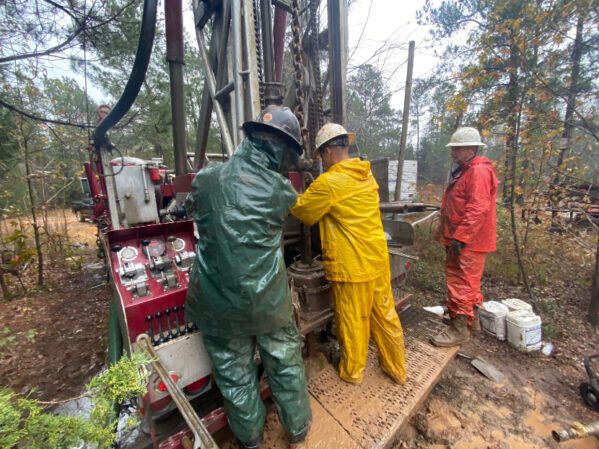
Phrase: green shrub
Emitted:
{"points": [[24, 423]]}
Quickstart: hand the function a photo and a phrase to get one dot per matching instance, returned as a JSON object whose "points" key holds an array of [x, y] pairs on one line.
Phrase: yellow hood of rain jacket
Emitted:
{"points": [[345, 201]]}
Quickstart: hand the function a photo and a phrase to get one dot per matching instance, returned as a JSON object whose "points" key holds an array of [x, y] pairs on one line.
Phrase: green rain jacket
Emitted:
{"points": [[238, 284]]}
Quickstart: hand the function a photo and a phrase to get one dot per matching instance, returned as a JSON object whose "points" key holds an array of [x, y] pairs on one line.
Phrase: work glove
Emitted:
{"points": [[455, 249]]}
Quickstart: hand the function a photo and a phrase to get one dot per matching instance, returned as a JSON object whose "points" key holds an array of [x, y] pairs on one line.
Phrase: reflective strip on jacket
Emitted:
{"points": [[468, 209], [238, 284], [345, 201]]}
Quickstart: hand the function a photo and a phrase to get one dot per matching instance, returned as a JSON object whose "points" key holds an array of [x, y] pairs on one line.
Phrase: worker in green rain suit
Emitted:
{"points": [[238, 292], [345, 201]]}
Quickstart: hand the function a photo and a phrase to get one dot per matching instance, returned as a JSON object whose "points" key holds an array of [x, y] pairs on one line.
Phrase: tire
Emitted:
{"points": [[80, 217]]}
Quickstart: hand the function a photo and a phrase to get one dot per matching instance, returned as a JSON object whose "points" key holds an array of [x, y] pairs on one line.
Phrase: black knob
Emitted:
{"points": [[116, 248]]}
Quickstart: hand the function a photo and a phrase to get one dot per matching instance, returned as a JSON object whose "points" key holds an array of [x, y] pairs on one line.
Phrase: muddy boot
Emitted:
{"points": [[446, 319], [475, 325], [456, 334]]}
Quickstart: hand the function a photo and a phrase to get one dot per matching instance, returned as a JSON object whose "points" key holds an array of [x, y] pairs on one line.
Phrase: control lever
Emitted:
{"points": [[115, 249], [188, 326], [171, 239], [176, 312], [161, 339], [145, 243], [170, 335], [149, 319]]}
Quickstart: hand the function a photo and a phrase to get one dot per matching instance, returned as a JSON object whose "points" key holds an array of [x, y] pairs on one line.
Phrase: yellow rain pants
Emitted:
{"points": [[345, 203], [363, 309]]}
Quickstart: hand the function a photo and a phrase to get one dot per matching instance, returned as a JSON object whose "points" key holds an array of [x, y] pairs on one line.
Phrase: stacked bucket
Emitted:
{"points": [[514, 319]]}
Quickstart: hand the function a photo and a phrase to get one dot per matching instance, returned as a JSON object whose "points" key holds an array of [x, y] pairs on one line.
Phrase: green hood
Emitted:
{"points": [[238, 284]]}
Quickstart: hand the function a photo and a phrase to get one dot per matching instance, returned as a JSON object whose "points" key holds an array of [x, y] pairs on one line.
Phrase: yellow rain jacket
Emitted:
{"points": [[345, 201]]}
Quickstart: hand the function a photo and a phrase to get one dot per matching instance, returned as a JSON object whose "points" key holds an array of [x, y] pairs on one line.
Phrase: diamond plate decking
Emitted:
{"points": [[370, 415]]}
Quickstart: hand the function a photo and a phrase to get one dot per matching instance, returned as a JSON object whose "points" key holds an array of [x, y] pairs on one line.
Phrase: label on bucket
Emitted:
{"points": [[533, 336]]}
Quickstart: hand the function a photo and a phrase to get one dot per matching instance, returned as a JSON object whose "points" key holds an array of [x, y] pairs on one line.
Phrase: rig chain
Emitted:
{"points": [[296, 54], [258, 52]]}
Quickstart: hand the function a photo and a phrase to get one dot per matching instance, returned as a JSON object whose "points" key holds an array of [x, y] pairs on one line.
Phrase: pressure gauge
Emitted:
{"points": [[156, 248], [128, 253]]}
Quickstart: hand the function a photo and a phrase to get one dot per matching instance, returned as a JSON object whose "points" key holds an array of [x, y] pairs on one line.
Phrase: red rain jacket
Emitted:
{"points": [[468, 209]]}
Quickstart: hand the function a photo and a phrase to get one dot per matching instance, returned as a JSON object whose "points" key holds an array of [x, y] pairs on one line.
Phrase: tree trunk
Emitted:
{"points": [[515, 101], [565, 144], [36, 231], [593, 315]]}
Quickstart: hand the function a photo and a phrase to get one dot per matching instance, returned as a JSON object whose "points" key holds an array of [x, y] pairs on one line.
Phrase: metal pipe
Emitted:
{"points": [[431, 215], [221, 17], [228, 142], [138, 73], [267, 48], [175, 57], [337, 18], [237, 81], [279, 41], [91, 180], [577, 430], [252, 86]]}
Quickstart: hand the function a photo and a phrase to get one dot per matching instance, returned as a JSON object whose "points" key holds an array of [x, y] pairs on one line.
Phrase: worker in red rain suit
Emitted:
{"points": [[467, 229]]}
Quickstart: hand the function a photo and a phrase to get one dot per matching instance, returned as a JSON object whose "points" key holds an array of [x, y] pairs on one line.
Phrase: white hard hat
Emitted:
{"points": [[466, 137], [329, 132]]}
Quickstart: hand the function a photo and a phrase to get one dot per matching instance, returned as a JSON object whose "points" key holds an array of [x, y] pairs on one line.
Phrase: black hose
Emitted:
{"points": [[138, 73]]}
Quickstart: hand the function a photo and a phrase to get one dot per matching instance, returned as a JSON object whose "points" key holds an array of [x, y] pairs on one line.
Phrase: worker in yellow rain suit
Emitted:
{"points": [[345, 201]]}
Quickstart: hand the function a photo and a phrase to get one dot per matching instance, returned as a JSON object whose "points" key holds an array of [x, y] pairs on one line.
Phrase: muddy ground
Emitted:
{"points": [[464, 411]]}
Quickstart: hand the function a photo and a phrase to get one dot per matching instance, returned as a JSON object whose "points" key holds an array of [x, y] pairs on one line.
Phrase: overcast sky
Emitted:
{"points": [[379, 34]]}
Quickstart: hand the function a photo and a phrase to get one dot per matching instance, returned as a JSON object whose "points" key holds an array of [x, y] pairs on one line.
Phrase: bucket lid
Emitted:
{"points": [[494, 307], [516, 304], [523, 316]]}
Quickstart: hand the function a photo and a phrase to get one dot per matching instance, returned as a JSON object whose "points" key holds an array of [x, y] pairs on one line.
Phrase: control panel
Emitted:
{"points": [[150, 265]]}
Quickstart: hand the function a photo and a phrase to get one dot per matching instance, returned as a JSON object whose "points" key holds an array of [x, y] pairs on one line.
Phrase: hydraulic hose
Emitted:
{"points": [[138, 73], [115, 339]]}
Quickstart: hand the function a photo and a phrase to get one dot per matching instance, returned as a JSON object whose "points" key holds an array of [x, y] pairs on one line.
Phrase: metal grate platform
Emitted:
{"points": [[370, 415]]}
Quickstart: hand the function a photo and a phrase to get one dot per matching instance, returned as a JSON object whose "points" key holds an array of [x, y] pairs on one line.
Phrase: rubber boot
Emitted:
{"points": [[300, 437], [446, 319], [256, 443], [456, 334], [475, 325]]}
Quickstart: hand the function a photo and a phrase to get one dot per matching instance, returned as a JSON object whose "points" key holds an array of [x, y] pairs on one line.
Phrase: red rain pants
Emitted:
{"points": [[463, 274]]}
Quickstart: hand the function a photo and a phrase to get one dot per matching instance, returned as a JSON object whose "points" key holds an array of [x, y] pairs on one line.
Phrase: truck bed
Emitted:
{"points": [[370, 415]]}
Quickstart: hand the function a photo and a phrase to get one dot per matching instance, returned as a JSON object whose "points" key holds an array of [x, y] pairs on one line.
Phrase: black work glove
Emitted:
{"points": [[455, 249]]}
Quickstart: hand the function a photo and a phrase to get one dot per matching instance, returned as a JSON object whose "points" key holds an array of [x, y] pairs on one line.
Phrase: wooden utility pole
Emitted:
{"points": [[404, 123]]}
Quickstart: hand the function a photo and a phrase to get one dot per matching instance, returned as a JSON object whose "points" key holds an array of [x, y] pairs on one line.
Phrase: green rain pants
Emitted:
{"points": [[237, 378]]}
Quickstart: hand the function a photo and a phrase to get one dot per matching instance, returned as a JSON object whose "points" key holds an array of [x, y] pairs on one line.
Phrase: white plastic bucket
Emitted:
{"points": [[492, 318], [515, 304], [524, 330]]}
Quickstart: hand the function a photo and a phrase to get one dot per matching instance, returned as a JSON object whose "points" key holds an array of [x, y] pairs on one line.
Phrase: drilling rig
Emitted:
{"points": [[144, 233]]}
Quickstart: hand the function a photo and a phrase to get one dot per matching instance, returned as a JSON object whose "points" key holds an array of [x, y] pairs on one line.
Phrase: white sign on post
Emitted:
{"points": [[408, 180]]}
